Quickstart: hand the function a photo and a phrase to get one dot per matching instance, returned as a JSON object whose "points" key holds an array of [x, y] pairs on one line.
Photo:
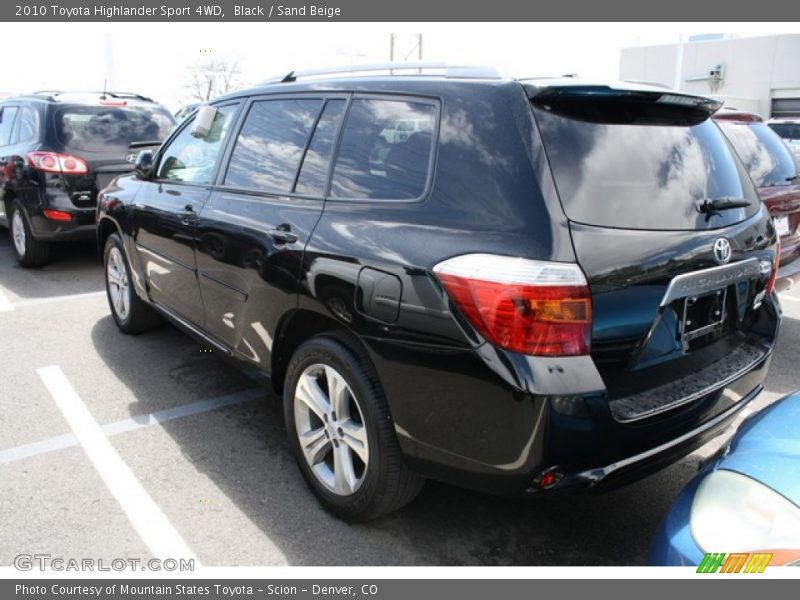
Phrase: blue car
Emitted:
{"points": [[746, 500]]}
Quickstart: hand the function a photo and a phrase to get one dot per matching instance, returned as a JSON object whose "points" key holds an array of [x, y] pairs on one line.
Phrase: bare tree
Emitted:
{"points": [[213, 77]]}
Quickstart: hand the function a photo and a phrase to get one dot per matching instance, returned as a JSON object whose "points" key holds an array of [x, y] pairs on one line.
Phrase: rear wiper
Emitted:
{"points": [[713, 206]]}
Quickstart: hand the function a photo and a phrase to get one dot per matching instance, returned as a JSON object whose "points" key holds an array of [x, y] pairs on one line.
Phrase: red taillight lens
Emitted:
{"points": [[531, 307], [52, 162], [56, 215], [774, 275]]}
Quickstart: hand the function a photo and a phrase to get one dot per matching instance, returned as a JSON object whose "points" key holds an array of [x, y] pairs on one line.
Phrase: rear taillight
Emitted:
{"points": [[53, 162], [527, 306], [774, 275], [56, 215]]}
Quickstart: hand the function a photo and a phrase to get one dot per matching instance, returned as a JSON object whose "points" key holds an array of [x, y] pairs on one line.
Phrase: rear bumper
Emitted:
{"points": [[458, 422], [80, 227]]}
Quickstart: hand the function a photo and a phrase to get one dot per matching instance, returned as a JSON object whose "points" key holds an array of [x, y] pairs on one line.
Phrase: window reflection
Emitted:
{"points": [[314, 172], [767, 160], [190, 159], [270, 145], [641, 176], [385, 151], [100, 129]]}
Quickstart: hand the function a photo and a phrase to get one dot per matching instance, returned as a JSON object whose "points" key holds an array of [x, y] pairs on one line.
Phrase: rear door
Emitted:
{"points": [[252, 232], [165, 215], [676, 288]]}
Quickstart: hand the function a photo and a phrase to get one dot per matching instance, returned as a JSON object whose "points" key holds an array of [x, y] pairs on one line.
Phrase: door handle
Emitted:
{"points": [[283, 234]]}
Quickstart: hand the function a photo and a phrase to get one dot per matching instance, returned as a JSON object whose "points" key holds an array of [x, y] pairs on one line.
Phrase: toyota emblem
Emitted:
{"points": [[722, 250]]}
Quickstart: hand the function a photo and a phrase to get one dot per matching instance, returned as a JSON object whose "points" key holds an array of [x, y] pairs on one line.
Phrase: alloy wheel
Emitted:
{"points": [[331, 430], [18, 232], [118, 285]]}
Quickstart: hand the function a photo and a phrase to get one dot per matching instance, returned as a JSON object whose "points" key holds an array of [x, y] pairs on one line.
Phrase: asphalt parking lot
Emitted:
{"points": [[204, 464]]}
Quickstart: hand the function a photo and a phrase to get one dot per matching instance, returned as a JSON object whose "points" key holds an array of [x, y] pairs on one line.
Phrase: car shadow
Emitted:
{"points": [[74, 268], [244, 451]]}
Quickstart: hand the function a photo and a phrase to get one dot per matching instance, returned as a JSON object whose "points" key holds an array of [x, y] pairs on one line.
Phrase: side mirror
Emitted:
{"points": [[144, 165], [203, 121]]}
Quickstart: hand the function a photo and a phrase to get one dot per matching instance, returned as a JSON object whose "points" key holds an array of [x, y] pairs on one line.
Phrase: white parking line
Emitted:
{"points": [[52, 299], [5, 303], [151, 524], [68, 440]]}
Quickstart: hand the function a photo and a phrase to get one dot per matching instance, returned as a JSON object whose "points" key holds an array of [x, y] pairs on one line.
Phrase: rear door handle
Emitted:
{"points": [[283, 234]]}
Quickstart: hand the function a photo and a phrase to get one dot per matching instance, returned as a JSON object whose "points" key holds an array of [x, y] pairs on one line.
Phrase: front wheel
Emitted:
{"points": [[131, 313], [342, 434]]}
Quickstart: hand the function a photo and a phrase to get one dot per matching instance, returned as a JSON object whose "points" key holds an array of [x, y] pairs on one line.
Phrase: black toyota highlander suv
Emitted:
{"points": [[57, 149], [545, 285]]}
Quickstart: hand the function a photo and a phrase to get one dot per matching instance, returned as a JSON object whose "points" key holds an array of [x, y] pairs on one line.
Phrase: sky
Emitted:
{"points": [[155, 59]]}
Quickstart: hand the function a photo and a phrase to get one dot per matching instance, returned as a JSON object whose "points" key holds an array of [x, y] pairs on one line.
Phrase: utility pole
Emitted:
{"points": [[405, 48]]}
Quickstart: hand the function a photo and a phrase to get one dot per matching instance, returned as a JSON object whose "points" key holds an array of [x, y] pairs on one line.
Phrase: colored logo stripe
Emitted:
{"points": [[734, 563]]}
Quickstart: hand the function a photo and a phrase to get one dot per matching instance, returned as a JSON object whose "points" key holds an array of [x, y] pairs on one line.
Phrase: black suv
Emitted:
{"points": [[516, 286], [57, 149]]}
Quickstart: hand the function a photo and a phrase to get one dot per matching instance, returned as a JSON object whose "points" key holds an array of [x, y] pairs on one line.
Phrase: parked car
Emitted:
{"points": [[546, 287], [775, 173], [789, 130], [745, 500], [57, 149]]}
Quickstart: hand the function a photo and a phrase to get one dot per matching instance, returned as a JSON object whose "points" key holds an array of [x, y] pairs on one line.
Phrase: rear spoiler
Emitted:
{"points": [[605, 104]]}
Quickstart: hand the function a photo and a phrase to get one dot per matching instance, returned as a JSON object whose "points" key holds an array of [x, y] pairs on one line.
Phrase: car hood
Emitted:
{"points": [[767, 447]]}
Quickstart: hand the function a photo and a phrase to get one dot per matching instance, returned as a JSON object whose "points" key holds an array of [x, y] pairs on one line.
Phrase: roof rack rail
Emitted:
{"points": [[450, 71], [113, 94]]}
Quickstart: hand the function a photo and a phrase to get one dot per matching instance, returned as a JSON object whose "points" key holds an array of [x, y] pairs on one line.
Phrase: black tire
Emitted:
{"points": [[34, 253], [388, 483], [139, 316]]}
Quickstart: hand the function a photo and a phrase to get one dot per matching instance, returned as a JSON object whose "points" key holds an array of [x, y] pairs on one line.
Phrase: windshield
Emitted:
{"points": [[763, 153], [111, 129], [643, 176]]}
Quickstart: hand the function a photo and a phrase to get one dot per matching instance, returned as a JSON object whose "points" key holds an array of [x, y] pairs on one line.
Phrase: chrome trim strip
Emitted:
{"points": [[704, 281]]}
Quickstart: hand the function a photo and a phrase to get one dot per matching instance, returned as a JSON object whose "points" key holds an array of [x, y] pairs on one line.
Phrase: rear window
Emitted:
{"points": [[763, 153], [111, 129], [643, 176], [788, 131]]}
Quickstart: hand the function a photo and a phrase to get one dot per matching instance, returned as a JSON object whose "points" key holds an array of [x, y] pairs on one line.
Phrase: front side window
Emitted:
{"points": [[190, 159], [271, 143], [386, 149]]}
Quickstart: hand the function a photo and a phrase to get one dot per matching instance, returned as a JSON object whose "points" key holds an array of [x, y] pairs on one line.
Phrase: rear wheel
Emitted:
{"points": [[28, 251], [131, 313], [342, 434]]}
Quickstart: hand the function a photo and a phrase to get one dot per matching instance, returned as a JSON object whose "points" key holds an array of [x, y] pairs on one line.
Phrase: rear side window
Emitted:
{"points": [[27, 128], [643, 176], [271, 143], [763, 153], [7, 115], [386, 149], [111, 129]]}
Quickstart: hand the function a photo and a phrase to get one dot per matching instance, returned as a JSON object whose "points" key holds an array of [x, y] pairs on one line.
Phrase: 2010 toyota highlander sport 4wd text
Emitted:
{"points": [[546, 284]]}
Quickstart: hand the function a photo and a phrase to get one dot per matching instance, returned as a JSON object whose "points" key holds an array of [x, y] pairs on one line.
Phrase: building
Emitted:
{"points": [[761, 74]]}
